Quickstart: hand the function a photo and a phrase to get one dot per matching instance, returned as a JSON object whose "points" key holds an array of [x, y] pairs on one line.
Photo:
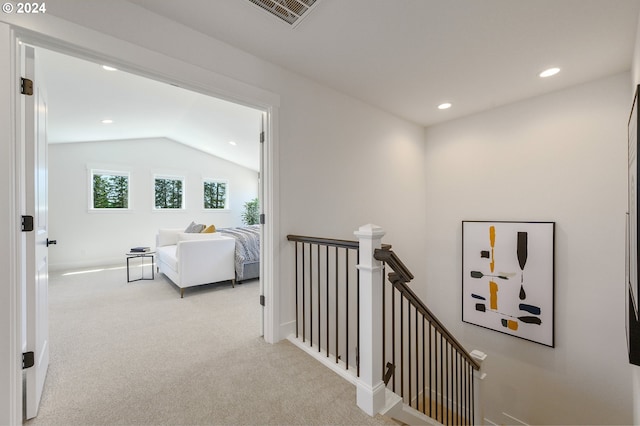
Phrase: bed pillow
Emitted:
{"points": [[195, 227], [209, 229]]}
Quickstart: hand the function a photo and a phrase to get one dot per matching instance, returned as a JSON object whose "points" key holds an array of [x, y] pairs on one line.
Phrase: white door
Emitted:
{"points": [[37, 264], [261, 194]]}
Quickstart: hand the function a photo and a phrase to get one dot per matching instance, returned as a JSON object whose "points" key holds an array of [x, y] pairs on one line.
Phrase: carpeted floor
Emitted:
{"points": [[136, 354]]}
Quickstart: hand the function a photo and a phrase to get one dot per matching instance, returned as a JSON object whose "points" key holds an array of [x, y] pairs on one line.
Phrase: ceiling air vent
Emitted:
{"points": [[290, 11]]}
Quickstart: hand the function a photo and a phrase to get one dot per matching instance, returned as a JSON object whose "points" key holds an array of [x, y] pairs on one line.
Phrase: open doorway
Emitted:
{"points": [[133, 153], [104, 121]]}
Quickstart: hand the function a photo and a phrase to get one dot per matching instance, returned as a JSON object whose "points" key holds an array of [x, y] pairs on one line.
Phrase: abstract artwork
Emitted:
{"points": [[508, 278]]}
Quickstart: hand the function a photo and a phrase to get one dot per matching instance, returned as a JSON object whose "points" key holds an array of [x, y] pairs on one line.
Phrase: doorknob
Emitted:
{"points": [[50, 242]]}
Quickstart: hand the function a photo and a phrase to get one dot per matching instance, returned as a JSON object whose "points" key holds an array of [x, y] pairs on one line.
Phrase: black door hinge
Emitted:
{"points": [[262, 300], [27, 223], [262, 219], [261, 137], [26, 86], [28, 360]]}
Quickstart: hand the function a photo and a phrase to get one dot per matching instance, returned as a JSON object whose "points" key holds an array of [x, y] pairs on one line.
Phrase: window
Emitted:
{"points": [[109, 190], [169, 192], [215, 194]]}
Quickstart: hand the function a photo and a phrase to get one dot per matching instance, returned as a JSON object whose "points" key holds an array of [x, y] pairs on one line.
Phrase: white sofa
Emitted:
{"points": [[190, 259]]}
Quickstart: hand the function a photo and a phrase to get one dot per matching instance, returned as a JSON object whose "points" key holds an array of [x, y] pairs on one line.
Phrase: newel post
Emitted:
{"points": [[370, 386], [478, 377]]}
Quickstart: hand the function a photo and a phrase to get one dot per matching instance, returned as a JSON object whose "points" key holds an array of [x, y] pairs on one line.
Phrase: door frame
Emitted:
{"points": [[71, 39], [11, 265]]}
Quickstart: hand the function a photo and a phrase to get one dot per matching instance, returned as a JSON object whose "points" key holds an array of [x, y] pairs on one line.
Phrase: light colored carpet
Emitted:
{"points": [[136, 354]]}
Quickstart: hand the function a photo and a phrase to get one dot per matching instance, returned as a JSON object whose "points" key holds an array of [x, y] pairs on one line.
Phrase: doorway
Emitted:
{"points": [[267, 184], [128, 137]]}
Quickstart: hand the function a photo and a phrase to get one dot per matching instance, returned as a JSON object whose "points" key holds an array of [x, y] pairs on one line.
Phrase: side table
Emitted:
{"points": [[142, 255]]}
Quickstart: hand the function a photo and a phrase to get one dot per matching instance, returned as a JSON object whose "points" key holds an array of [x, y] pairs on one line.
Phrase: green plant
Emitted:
{"points": [[251, 213]]}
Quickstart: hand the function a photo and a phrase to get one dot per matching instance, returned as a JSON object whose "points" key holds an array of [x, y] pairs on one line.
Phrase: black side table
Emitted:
{"points": [[141, 255]]}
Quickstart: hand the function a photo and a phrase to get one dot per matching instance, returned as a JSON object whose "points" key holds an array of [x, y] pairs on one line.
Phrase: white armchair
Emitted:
{"points": [[195, 259]]}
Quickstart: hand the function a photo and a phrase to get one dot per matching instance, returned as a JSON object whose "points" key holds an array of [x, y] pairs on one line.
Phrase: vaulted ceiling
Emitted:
{"points": [[82, 94]]}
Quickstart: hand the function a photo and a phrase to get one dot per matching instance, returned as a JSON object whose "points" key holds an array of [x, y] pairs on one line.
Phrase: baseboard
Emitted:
{"points": [[329, 362], [287, 329], [505, 419], [513, 421], [88, 264]]}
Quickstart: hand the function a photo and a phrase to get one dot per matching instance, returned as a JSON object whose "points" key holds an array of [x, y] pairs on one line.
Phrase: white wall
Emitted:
{"points": [[87, 238], [636, 394], [562, 158], [345, 165]]}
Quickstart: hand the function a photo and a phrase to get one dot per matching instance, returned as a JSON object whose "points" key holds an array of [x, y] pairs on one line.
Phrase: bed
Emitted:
{"points": [[247, 255]]}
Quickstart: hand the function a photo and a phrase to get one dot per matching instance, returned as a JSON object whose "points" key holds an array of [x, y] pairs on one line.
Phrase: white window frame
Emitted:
{"points": [[181, 178], [112, 172], [226, 200]]}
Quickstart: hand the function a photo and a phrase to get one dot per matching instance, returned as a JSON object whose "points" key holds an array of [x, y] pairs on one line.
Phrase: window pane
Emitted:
{"points": [[215, 195], [168, 193], [110, 191]]}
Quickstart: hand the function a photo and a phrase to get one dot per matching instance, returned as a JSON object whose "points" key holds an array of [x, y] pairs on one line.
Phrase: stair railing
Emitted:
{"points": [[327, 298], [377, 330], [425, 364]]}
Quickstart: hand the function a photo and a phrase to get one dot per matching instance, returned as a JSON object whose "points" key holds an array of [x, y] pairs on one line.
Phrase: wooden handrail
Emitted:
{"points": [[324, 241], [390, 258], [330, 242], [399, 278]]}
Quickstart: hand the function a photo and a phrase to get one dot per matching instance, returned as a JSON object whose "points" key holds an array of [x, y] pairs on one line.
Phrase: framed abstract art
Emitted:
{"points": [[508, 278]]}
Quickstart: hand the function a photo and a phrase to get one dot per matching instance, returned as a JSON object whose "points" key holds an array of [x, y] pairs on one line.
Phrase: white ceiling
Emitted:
{"points": [[404, 56], [81, 94], [408, 56]]}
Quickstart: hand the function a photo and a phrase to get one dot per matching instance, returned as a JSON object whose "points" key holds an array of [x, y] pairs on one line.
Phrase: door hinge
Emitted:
{"points": [[28, 360], [27, 223], [26, 86], [261, 137], [262, 219], [262, 300]]}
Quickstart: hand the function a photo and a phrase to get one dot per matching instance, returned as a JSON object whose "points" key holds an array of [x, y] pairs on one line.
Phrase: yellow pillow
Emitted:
{"points": [[209, 229]]}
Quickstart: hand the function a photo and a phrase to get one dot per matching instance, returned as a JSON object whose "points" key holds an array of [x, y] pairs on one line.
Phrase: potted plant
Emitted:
{"points": [[251, 213]]}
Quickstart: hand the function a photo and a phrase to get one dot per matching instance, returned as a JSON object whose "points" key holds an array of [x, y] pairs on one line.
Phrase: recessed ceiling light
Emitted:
{"points": [[445, 105], [549, 72], [107, 121], [232, 143], [108, 68]]}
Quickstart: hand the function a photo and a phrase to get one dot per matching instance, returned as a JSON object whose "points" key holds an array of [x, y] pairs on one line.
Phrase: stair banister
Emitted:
{"points": [[399, 278], [323, 288], [373, 255]]}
